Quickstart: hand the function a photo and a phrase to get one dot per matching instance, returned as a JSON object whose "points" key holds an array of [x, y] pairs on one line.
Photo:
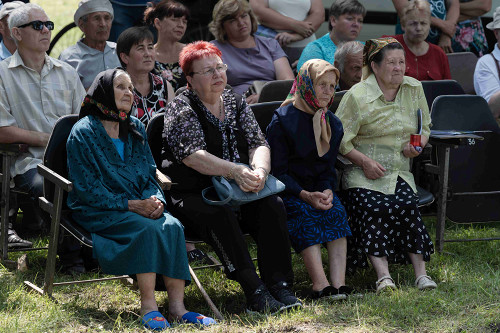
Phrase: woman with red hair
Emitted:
{"points": [[208, 131]]}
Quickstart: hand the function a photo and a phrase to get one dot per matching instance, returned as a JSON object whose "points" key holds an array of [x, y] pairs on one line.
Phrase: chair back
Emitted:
{"points": [[462, 67], [154, 132], [433, 89], [55, 156], [264, 113], [336, 100], [275, 91], [473, 172]]}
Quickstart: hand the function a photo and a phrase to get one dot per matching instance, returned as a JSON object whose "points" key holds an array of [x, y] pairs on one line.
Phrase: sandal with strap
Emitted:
{"points": [[155, 321], [424, 282], [385, 283]]}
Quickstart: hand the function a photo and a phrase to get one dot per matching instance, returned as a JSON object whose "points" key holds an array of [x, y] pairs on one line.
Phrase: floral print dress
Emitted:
{"points": [[172, 72], [470, 37]]}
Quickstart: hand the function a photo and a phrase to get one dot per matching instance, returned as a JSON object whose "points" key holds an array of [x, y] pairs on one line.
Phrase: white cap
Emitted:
{"points": [[91, 6], [9, 7], [496, 20]]}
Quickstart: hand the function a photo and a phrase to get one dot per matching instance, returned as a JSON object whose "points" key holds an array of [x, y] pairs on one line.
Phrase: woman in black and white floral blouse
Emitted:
{"points": [[208, 130]]}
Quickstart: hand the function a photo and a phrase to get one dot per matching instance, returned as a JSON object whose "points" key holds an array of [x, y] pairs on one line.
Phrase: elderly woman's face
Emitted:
{"points": [[208, 75], [171, 27], [417, 26], [324, 87], [123, 89], [390, 71], [238, 28]]}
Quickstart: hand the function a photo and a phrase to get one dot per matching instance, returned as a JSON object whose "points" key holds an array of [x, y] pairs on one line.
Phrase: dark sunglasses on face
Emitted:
{"points": [[38, 25]]}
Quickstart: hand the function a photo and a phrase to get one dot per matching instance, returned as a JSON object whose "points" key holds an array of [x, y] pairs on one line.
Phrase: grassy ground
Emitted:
{"points": [[467, 298]]}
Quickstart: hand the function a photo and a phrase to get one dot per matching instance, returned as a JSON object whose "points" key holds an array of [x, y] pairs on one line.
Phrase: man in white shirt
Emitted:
{"points": [[35, 91], [487, 73]]}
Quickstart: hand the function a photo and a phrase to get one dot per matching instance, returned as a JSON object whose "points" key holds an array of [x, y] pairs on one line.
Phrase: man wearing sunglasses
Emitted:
{"points": [[93, 53], [35, 90]]}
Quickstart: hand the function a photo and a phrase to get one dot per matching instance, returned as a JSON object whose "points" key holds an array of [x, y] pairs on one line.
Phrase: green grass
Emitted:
{"points": [[467, 298]]}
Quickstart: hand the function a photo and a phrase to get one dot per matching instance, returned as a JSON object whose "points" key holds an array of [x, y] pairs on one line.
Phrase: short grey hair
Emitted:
{"points": [[344, 49], [21, 15]]}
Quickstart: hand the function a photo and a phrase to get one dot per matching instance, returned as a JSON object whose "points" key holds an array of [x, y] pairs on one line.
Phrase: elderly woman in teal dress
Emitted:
{"points": [[116, 198]]}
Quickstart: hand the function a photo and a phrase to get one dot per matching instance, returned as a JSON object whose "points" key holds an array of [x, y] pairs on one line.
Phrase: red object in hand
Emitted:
{"points": [[415, 140]]}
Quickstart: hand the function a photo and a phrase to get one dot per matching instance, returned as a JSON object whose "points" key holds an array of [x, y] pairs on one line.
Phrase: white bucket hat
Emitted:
{"points": [[496, 20], [9, 7], [91, 6]]}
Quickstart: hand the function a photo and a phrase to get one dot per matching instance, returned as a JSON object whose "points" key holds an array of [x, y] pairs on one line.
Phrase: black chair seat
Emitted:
{"points": [[425, 197]]}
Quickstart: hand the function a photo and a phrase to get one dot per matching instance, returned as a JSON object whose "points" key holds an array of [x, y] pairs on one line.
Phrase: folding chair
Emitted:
{"points": [[336, 100], [275, 91], [54, 171], [433, 89], [264, 113], [467, 168], [154, 132], [462, 67]]}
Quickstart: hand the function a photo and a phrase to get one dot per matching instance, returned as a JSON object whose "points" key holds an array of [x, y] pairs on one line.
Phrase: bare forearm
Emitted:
{"points": [[208, 164], [475, 8], [260, 157], [12, 134], [356, 157], [316, 14]]}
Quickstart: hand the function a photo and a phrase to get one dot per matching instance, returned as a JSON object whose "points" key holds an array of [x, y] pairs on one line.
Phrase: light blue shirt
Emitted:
{"points": [[4, 52], [321, 48], [486, 80], [88, 61]]}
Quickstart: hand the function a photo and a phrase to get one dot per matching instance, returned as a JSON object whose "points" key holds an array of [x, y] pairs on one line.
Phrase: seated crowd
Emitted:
{"points": [[210, 130]]}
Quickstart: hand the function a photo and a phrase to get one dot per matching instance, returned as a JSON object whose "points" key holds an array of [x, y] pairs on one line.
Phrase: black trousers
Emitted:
{"points": [[219, 226]]}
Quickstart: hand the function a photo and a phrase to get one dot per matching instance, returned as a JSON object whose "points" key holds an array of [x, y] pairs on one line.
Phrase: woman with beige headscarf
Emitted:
{"points": [[379, 114], [304, 137]]}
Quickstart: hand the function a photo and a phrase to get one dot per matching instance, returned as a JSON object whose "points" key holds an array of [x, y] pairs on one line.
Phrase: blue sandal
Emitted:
{"points": [[155, 321], [197, 318]]}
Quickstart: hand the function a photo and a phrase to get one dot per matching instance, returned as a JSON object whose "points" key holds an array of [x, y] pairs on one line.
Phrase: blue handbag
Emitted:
{"points": [[230, 193]]}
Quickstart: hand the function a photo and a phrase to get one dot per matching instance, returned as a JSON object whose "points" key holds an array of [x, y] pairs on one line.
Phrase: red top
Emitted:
{"points": [[431, 66]]}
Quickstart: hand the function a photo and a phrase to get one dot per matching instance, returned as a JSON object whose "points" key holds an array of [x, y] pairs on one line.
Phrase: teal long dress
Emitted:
{"points": [[124, 242]]}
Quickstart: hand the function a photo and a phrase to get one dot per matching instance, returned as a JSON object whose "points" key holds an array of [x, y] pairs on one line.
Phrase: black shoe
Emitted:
{"points": [[349, 292], [74, 270], [282, 293], [199, 257], [329, 293], [263, 302], [16, 242]]}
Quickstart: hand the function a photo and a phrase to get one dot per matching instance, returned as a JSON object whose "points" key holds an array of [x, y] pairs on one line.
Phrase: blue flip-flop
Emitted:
{"points": [[155, 321], [197, 318]]}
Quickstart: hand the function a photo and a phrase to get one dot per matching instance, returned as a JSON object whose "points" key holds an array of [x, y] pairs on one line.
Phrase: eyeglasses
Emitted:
{"points": [[38, 25], [221, 68]]}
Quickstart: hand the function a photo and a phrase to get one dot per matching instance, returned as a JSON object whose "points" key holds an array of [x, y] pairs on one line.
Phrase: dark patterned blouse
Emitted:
{"points": [[184, 134], [145, 107], [171, 72]]}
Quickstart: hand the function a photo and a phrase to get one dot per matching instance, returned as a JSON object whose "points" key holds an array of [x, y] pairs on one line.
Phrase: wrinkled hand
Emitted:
{"points": [[151, 207], [285, 38], [445, 43], [247, 179], [410, 151], [318, 200], [304, 28], [372, 169], [259, 172], [252, 99]]}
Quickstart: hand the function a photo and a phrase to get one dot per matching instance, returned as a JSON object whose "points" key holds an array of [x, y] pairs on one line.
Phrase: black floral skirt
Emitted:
{"points": [[385, 226]]}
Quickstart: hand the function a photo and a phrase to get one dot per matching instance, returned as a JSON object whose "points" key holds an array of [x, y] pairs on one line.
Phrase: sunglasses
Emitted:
{"points": [[38, 25]]}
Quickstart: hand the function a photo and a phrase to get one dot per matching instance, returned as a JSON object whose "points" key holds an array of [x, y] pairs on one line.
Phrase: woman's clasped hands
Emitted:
{"points": [[318, 200], [151, 207], [249, 180]]}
